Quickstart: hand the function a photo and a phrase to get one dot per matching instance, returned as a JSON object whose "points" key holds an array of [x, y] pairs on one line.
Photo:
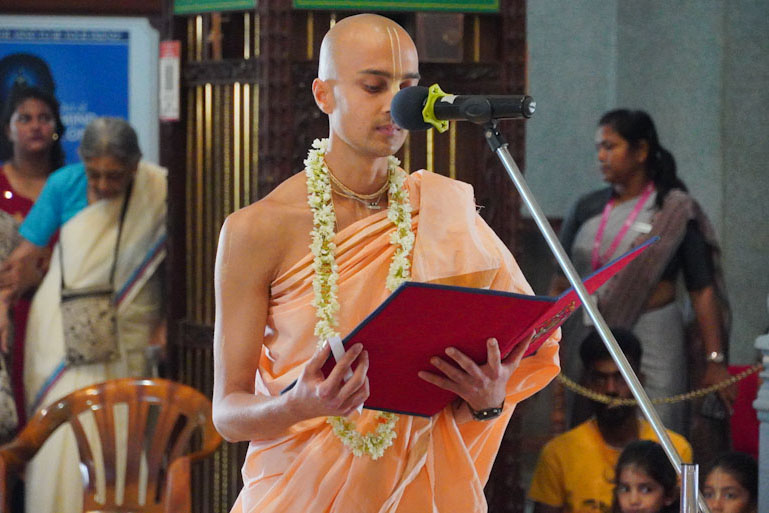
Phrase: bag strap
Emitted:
{"points": [[117, 242]]}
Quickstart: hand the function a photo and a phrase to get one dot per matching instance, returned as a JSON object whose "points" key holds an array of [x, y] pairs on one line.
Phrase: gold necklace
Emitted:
{"points": [[372, 204], [370, 201]]}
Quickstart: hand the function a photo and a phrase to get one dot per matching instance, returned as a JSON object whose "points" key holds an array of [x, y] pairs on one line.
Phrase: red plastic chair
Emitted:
{"points": [[164, 420]]}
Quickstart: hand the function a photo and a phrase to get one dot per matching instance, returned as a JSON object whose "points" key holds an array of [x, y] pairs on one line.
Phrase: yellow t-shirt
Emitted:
{"points": [[576, 469]]}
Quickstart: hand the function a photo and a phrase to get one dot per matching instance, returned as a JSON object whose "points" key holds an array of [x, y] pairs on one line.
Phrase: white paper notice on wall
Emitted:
{"points": [[170, 52]]}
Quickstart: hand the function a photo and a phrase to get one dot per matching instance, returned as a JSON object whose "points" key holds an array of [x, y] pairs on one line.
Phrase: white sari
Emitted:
{"points": [[54, 483]]}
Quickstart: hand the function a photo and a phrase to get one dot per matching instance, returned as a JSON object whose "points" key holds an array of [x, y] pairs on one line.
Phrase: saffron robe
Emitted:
{"points": [[435, 464]]}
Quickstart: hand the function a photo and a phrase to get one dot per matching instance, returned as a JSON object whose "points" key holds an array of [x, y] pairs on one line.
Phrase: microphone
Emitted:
{"points": [[420, 108]]}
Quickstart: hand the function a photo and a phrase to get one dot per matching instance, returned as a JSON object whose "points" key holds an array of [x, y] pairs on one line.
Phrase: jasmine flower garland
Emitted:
{"points": [[324, 281]]}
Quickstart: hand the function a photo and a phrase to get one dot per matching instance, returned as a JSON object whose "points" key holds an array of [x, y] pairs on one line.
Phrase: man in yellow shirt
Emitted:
{"points": [[575, 472]]}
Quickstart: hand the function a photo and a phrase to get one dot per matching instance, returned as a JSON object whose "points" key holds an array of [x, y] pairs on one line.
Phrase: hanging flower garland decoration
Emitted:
{"points": [[324, 282]]}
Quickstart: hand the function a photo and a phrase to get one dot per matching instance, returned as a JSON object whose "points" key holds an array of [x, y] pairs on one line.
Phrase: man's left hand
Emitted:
{"points": [[481, 386]]}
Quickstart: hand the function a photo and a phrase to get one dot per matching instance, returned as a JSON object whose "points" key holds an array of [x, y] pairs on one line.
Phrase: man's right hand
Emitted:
{"points": [[316, 396]]}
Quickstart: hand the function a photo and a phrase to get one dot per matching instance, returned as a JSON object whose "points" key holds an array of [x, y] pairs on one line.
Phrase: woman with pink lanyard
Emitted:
{"points": [[645, 198]]}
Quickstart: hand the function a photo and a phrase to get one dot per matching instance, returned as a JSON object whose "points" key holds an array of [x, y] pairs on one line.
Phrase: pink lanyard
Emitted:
{"points": [[596, 260]]}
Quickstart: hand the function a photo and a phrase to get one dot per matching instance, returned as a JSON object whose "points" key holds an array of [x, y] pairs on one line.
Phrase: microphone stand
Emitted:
{"points": [[499, 146]]}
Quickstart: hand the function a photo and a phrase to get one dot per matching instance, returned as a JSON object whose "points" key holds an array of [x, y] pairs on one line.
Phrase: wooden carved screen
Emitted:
{"points": [[247, 120]]}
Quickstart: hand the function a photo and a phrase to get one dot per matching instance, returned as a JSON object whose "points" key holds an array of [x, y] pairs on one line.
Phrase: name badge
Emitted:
{"points": [[642, 227]]}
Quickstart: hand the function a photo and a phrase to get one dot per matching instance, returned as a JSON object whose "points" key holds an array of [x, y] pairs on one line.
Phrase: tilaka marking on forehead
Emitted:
{"points": [[400, 54], [392, 47], [395, 51]]}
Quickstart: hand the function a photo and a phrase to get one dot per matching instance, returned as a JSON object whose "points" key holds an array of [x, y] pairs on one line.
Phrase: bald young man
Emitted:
{"points": [[299, 461]]}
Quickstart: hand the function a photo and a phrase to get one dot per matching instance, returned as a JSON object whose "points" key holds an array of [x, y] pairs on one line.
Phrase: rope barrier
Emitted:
{"points": [[614, 401]]}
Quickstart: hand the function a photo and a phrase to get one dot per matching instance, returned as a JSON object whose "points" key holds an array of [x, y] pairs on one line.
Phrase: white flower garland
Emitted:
{"points": [[324, 282]]}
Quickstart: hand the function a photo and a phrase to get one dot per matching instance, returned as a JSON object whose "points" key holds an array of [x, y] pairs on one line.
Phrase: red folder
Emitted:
{"points": [[420, 320]]}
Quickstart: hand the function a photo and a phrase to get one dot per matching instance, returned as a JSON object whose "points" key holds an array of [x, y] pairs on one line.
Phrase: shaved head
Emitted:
{"points": [[356, 33], [364, 61]]}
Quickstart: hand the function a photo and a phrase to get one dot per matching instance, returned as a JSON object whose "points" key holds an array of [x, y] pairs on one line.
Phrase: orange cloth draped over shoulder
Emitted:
{"points": [[434, 464]]}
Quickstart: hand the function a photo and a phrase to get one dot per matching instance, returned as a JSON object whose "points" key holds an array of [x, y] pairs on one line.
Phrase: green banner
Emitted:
{"points": [[400, 5], [195, 6]]}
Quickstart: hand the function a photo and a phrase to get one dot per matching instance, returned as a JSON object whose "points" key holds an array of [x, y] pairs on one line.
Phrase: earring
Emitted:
{"points": [[55, 136]]}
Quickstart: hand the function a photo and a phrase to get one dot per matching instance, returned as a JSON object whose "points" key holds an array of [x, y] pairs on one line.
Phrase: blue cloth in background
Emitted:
{"points": [[64, 194]]}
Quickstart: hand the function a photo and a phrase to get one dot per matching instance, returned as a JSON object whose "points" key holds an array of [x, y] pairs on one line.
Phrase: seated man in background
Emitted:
{"points": [[575, 471]]}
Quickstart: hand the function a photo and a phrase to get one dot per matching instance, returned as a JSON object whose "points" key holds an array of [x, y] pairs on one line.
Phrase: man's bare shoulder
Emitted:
{"points": [[269, 229], [269, 215]]}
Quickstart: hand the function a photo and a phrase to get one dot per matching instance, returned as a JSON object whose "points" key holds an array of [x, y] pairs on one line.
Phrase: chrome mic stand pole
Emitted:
{"points": [[499, 146], [689, 487]]}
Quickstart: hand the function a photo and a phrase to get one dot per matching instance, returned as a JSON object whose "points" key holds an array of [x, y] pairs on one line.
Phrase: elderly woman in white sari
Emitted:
{"points": [[109, 212]]}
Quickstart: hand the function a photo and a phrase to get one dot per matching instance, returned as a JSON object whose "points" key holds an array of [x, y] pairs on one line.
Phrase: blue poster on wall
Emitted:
{"points": [[96, 67], [89, 69]]}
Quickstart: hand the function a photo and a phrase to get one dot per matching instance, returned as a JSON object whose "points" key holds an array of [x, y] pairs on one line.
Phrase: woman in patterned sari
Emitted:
{"points": [[30, 149], [645, 198]]}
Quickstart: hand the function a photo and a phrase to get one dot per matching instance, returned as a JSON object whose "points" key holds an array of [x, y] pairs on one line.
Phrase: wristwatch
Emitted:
{"points": [[488, 413], [715, 357]]}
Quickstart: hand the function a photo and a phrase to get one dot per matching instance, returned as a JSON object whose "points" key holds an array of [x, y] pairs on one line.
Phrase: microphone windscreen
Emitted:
{"points": [[406, 108]]}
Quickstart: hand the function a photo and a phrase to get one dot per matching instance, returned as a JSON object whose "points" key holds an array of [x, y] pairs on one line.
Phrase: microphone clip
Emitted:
{"points": [[434, 93]]}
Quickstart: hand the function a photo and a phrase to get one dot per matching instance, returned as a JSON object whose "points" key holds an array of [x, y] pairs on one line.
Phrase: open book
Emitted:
{"points": [[420, 320]]}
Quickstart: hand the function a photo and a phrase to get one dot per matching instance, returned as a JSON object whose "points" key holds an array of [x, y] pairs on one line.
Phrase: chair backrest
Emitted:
{"points": [[129, 432]]}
